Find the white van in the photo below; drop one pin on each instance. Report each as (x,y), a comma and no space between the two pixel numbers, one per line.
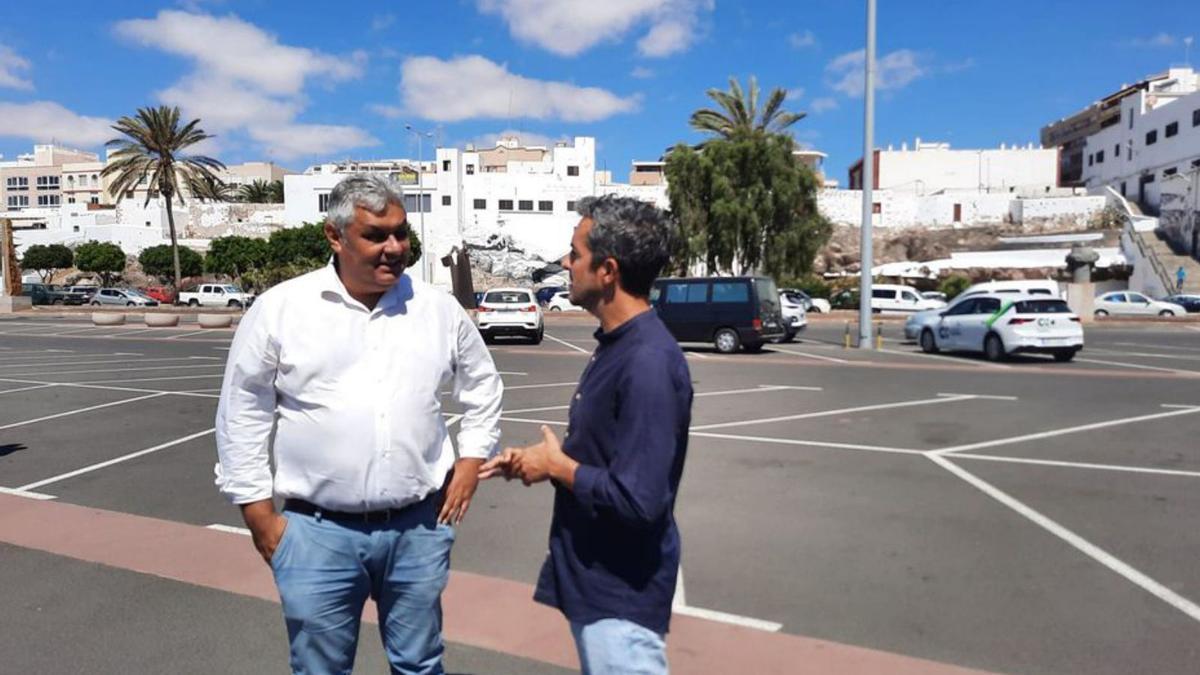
(897,299)
(1026,286)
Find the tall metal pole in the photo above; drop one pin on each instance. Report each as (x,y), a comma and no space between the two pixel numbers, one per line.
(868,177)
(421,207)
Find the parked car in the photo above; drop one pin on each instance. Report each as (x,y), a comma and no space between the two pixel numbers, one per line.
(125,297)
(847,298)
(811,304)
(49,294)
(1130,303)
(794,318)
(546,294)
(163,294)
(1191,303)
(999,325)
(86,291)
(730,312)
(510,311)
(561,302)
(918,321)
(1028,286)
(216,295)
(898,299)
(934,295)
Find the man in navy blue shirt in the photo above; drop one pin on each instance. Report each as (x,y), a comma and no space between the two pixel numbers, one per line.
(614,547)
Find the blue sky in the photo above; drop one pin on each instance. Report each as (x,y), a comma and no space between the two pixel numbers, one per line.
(303,81)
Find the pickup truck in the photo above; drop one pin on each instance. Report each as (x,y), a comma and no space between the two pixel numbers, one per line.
(215,295)
(48,294)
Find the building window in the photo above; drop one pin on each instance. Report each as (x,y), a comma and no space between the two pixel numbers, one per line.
(572,170)
(470,169)
(524,204)
(1196,163)
(70,200)
(323,202)
(95,200)
(410,203)
(958,213)
(17,183)
(48,200)
(571,206)
(1117,150)
(506,205)
(18,201)
(1151,137)
(1131,118)
(445,165)
(876,208)
(545,205)
(1100,157)
(1196,117)
(1090,159)
(1170,172)
(1123,192)
(1172,129)
(48,182)
(480,204)
(445,200)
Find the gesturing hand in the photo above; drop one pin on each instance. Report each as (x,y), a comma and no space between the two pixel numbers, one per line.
(534,463)
(458,493)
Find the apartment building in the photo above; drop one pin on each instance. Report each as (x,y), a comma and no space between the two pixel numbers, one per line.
(36,180)
(930,168)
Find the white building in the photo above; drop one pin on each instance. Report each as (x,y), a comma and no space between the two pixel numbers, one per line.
(931,168)
(1154,136)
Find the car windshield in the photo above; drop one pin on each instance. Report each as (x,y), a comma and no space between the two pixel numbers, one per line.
(232,289)
(506,297)
(1042,307)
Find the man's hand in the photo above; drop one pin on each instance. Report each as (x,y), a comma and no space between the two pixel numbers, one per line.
(457,494)
(501,465)
(266,526)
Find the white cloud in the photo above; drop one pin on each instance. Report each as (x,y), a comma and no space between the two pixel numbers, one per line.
(794,94)
(382,21)
(46,121)
(392,112)
(1155,41)
(11,65)
(641,73)
(470,87)
(570,27)
(823,104)
(248,84)
(895,70)
(802,40)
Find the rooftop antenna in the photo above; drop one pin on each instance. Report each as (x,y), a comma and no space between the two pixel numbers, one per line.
(1187,51)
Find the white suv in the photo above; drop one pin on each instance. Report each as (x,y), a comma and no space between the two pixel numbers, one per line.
(510,311)
(561,302)
(897,299)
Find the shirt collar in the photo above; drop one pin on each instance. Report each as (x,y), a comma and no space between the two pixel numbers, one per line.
(332,284)
(625,328)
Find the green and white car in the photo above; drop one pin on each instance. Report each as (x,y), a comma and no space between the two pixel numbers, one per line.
(999,325)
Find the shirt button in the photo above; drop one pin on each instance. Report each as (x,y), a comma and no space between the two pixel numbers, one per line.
(578,396)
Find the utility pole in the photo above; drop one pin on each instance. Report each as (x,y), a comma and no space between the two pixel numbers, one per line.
(868,176)
(426,268)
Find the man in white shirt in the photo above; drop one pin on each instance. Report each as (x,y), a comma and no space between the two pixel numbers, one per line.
(347,365)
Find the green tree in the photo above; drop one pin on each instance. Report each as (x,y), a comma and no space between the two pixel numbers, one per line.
(739,114)
(302,244)
(152,152)
(103,258)
(954,285)
(235,256)
(745,205)
(159,261)
(261,192)
(45,260)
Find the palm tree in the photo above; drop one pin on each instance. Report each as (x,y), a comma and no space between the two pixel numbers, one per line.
(215,190)
(152,153)
(739,114)
(262,192)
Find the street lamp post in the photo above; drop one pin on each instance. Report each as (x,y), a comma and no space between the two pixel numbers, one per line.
(868,178)
(425,251)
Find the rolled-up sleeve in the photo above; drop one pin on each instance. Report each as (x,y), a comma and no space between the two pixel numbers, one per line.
(246,409)
(479,389)
(636,486)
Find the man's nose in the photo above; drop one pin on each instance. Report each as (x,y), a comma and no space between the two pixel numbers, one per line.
(394,246)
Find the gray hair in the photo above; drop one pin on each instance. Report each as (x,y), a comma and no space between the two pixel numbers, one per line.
(635,234)
(369,191)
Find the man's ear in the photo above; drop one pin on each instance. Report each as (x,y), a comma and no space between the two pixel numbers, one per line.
(611,270)
(332,236)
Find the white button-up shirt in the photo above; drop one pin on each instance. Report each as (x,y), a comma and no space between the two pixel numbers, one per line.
(353,395)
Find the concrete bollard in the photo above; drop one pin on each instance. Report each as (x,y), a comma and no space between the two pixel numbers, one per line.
(107,319)
(161,320)
(215,320)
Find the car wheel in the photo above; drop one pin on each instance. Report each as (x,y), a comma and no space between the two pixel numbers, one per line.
(487,339)
(56,301)
(1064,355)
(537,338)
(95,304)
(928,342)
(193,303)
(1101,312)
(1166,312)
(789,336)
(556,309)
(129,304)
(235,304)
(993,348)
(727,341)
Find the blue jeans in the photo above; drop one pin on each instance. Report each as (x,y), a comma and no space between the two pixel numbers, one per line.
(325,571)
(619,647)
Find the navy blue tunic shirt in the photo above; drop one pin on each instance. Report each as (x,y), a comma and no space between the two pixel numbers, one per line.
(614,547)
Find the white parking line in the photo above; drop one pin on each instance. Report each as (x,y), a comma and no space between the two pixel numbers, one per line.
(36,386)
(1148,355)
(1141,344)
(752,390)
(76,412)
(1086,547)
(946,359)
(1180,405)
(194,332)
(540,386)
(117,460)
(808,444)
(841,411)
(229,528)
(92,385)
(1139,366)
(986,397)
(26,494)
(126,370)
(831,359)
(1079,465)
(565,343)
(110,362)
(156,379)
(1061,432)
(724,617)
(697,355)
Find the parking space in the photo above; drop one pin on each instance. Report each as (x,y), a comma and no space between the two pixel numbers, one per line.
(1029,516)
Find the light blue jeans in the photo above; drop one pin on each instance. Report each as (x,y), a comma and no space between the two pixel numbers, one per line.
(325,571)
(619,647)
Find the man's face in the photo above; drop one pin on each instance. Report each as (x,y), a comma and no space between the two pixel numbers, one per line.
(587,284)
(374,250)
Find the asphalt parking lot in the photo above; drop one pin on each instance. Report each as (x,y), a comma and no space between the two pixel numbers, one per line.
(1025,517)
